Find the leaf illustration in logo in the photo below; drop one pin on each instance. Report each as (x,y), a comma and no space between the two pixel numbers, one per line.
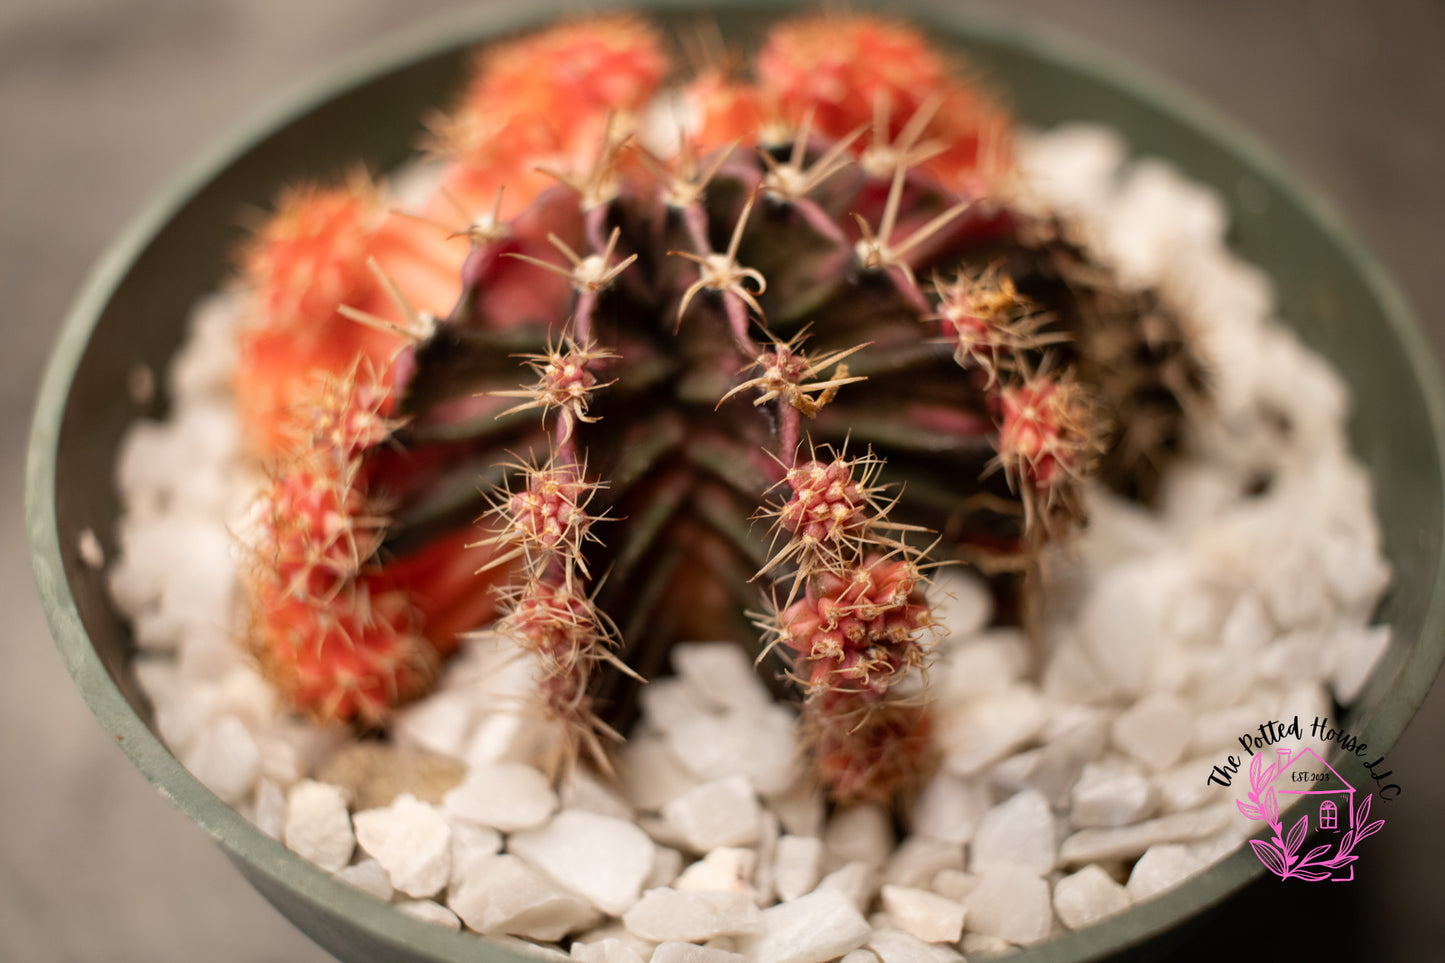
(1250,812)
(1296,836)
(1269,806)
(1268,855)
(1362,811)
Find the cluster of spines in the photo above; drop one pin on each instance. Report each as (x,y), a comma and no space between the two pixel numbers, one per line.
(1050,431)
(541,518)
(855,616)
(855,623)
(335,633)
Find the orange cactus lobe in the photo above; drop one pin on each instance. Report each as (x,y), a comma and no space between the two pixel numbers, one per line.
(546,99)
(352,659)
(852,70)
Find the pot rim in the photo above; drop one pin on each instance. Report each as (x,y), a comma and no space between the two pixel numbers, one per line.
(258,853)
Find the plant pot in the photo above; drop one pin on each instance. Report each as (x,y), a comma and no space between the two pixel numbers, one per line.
(133,312)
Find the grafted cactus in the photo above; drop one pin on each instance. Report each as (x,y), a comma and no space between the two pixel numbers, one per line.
(743,362)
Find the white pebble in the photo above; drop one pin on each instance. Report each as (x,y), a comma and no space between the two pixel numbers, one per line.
(1217,730)
(692,953)
(1357,573)
(983,665)
(1248,627)
(614,932)
(430,911)
(1076,166)
(769,832)
(1160,868)
(950,808)
(954,884)
(723,812)
(245,694)
(1221,679)
(860,955)
(506,796)
(759,743)
(797,865)
(601,858)
(662,832)
(725,868)
(919,859)
(206,656)
(498,737)
(271,809)
(651,774)
(1087,897)
(984,946)
(800,808)
(664,915)
(1181,789)
(1156,730)
(928,916)
(1072,739)
(986,730)
(605,951)
(962,603)
(1098,845)
(292,748)
(1359,651)
(1121,621)
(860,833)
(666,865)
(411,840)
(896,946)
(857,881)
(368,876)
(1293,586)
(438,723)
(721,673)
(1070,675)
(1111,794)
(814,928)
(1012,904)
(1018,833)
(225,759)
(584,790)
(667,703)
(470,842)
(506,896)
(318,826)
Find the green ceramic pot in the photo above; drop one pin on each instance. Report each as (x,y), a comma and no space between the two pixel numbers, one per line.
(134,307)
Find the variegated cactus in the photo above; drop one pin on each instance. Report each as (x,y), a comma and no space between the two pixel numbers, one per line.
(719,356)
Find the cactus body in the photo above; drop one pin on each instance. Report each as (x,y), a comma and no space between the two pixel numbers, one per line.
(770,362)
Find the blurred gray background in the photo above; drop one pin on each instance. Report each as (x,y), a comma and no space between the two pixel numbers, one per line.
(102,101)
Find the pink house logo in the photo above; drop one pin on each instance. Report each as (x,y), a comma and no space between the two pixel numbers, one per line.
(1325,802)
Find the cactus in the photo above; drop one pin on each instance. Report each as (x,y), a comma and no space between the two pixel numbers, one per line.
(748,378)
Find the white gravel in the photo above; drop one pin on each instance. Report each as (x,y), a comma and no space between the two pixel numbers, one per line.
(1071,788)
(412,842)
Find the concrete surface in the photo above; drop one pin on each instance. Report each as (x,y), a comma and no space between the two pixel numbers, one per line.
(101,101)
